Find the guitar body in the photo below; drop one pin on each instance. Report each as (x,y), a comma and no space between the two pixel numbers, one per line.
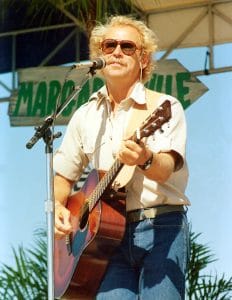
(80,262)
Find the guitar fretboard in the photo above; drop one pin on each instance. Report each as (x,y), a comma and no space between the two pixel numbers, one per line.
(106,180)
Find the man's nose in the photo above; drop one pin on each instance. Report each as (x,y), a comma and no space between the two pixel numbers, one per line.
(118,50)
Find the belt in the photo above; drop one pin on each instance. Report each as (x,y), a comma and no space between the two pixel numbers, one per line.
(151,212)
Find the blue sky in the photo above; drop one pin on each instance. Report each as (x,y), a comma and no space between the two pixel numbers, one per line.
(209,148)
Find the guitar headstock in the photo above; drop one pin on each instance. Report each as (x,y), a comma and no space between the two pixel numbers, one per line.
(155,121)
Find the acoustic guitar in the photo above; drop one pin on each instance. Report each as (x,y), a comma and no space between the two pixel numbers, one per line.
(81,258)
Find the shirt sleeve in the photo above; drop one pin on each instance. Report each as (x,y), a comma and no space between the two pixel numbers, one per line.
(70,160)
(172,137)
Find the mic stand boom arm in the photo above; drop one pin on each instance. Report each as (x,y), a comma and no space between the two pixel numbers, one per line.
(44,131)
(49,121)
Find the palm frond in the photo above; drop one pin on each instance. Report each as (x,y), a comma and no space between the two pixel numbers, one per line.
(84,14)
(200,257)
(200,286)
(213,288)
(27,279)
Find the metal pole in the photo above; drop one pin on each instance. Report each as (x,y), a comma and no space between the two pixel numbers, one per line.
(49,209)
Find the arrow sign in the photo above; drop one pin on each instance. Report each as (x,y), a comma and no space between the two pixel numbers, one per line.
(40,88)
(172,78)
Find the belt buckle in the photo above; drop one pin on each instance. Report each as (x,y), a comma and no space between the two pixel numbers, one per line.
(145,214)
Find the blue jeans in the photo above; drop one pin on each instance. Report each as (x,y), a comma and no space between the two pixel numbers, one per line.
(151,262)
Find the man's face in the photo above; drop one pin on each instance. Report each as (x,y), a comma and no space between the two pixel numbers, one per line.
(121,65)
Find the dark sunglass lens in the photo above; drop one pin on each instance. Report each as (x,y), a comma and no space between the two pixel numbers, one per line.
(109,46)
(128,47)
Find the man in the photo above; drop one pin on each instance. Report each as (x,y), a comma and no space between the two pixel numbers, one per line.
(151,260)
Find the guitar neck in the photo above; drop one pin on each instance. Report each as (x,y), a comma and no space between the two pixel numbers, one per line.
(104,183)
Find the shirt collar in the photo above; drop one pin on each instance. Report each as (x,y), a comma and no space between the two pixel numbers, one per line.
(101,95)
(138,94)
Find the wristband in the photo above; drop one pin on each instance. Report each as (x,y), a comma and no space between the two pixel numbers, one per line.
(147,163)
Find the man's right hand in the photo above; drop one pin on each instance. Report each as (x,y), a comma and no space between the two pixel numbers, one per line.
(63,225)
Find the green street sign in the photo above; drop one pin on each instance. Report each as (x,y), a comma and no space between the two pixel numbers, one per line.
(41,89)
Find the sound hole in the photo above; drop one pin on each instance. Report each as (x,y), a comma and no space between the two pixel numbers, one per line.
(84,217)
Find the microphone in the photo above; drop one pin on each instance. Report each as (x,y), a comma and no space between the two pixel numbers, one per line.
(96,64)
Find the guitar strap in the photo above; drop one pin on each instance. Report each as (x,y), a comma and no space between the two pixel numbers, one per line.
(141,111)
(138,115)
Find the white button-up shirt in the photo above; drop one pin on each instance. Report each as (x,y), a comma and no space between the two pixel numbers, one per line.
(94,134)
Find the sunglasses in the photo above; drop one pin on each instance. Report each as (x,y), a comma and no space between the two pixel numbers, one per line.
(128,47)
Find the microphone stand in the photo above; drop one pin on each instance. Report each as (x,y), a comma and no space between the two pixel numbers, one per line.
(44,131)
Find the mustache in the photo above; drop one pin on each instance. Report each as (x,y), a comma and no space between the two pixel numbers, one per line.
(115,60)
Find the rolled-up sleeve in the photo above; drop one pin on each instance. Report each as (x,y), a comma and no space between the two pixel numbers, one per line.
(172,137)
